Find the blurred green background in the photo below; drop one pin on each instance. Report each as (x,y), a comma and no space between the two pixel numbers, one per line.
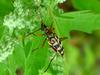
(79,20)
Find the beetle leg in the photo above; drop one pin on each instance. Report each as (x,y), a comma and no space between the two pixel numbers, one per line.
(33,33)
(43,43)
(50,63)
(63,38)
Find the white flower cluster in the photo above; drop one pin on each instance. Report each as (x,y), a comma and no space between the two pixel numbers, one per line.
(59,1)
(37,2)
(5,54)
(6,49)
(58,64)
(18,18)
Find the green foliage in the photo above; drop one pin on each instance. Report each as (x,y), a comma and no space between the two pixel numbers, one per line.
(87,5)
(85,21)
(18,53)
(6,6)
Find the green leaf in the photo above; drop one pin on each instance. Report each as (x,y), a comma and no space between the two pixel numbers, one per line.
(16,60)
(3,69)
(36,60)
(87,4)
(2,28)
(82,20)
(5,7)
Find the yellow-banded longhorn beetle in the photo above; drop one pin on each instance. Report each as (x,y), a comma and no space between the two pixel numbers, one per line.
(53,40)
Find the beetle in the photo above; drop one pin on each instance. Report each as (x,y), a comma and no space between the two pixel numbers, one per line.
(53,40)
